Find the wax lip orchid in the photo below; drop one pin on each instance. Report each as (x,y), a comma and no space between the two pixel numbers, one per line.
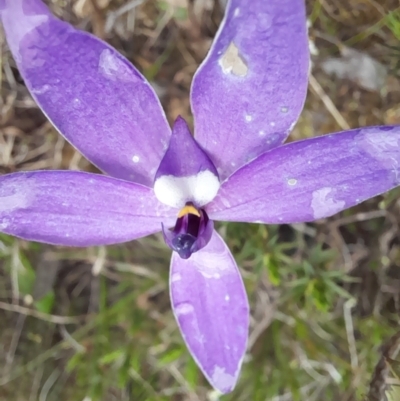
(246,97)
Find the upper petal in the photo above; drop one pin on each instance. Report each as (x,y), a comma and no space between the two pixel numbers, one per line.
(250,90)
(210,305)
(93,95)
(312,179)
(78,209)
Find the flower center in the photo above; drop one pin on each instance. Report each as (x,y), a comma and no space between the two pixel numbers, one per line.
(192,231)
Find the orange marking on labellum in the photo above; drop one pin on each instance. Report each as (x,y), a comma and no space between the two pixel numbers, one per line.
(188,209)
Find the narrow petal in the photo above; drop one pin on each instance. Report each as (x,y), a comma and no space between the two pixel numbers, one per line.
(210,305)
(312,179)
(251,88)
(78,209)
(186,173)
(93,95)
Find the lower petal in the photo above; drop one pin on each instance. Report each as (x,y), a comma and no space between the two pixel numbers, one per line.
(78,209)
(210,305)
(312,179)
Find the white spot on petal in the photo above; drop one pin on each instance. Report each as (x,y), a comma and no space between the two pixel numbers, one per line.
(264,22)
(284,109)
(232,62)
(272,124)
(18,30)
(248,117)
(261,133)
(225,202)
(135,159)
(176,277)
(164,144)
(292,181)
(222,380)
(40,91)
(236,12)
(177,191)
(227,297)
(183,309)
(14,196)
(383,147)
(323,203)
(212,264)
(114,67)
(4,224)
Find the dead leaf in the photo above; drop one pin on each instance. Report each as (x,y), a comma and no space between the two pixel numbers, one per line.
(83,8)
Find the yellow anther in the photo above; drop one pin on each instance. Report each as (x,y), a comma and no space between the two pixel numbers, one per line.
(188,209)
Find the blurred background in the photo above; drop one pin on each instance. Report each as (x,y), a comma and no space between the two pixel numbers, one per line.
(95,324)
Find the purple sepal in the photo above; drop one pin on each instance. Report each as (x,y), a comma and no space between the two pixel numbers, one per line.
(210,304)
(90,92)
(186,173)
(250,90)
(191,233)
(78,209)
(311,179)
(184,157)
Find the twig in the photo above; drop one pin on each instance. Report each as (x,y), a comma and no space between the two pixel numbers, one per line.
(347,307)
(42,316)
(363,216)
(36,383)
(14,344)
(377,387)
(48,385)
(98,22)
(112,16)
(326,100)
(71,340)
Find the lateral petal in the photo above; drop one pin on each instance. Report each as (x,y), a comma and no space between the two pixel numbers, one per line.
(91,93)
(311,179)
(78,209)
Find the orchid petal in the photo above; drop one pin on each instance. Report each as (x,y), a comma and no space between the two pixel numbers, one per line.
(78,209)
(92,95)
(186,174)
(250,90)
(210,305)
(312,179)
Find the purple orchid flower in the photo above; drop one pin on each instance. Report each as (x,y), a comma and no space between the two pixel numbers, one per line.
(246,97)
